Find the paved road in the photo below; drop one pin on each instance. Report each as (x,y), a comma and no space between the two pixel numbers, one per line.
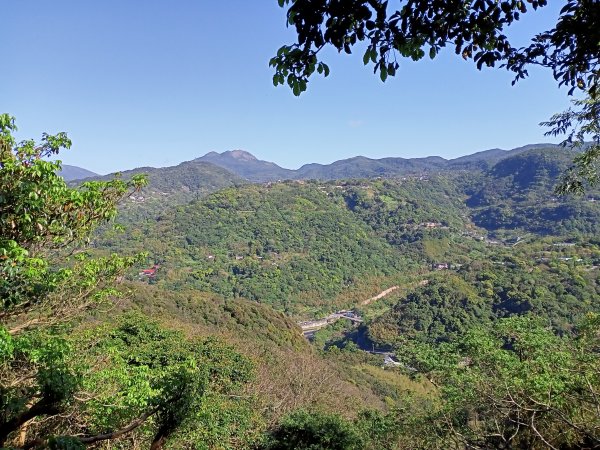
(380,295)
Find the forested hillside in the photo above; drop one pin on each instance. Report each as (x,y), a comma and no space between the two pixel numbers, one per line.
(297,245)
(287,244)
(170,186)
(518,193)
(352,302)
(364,312)
(558,289)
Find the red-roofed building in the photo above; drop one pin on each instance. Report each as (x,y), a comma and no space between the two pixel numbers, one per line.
(150,273)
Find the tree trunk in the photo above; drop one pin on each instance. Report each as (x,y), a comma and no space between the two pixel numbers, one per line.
(158,442)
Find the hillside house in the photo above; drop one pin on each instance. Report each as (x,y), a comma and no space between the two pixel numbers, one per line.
(151,272)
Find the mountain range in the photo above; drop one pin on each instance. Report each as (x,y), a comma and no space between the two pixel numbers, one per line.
(193,180)
(250,168)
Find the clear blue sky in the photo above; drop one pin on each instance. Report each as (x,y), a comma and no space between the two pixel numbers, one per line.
(154,83)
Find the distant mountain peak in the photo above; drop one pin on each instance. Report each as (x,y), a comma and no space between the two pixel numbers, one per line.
(240,155)
(246,165)
(229,155)
(70,173)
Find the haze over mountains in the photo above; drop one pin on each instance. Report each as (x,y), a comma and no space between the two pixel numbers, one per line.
(70,173)
(247,166)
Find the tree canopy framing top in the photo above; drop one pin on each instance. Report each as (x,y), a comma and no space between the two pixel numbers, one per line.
(475,28)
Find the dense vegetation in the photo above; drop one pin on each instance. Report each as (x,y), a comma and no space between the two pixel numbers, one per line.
(488,324)
(277,244)
(170,186)
(517,193)
(66,384)
(298,245)
(481,292)
(474,289)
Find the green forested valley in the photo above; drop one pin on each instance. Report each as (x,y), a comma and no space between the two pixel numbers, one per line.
(166,284)
(441,307)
